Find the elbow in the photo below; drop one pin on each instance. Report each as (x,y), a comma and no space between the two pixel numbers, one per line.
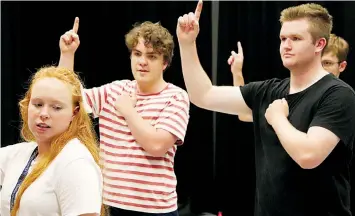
(308,161)
(200,99)
(196,101)
(156,149)
(245,118)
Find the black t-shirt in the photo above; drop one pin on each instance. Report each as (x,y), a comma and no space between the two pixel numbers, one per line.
(283,188)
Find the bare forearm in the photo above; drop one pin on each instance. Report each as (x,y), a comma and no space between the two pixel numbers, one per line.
(66,61)
(144,133)
(238,80)
(295,142)
(196,80)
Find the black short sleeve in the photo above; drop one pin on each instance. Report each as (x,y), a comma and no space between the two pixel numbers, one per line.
(336,112)
(249,92)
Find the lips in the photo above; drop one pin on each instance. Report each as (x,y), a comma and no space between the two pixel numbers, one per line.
(288,55)
(42,125)
(143,71)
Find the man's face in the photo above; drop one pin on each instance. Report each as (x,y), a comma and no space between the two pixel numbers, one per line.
(297,48)
(146,64)
(332,64)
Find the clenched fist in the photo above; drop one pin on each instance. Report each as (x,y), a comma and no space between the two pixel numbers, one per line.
(278,108)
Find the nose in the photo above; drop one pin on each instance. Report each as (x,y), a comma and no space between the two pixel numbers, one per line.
(142,60)
(287,44)
(44,113)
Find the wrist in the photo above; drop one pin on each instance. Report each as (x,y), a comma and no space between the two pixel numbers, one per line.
(187,45)
(126,111)
(238,72)
(278,121)
(67,55)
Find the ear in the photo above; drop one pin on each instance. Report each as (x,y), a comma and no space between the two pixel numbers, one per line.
(342,66)
(320,44)
(165,65)
(76,110)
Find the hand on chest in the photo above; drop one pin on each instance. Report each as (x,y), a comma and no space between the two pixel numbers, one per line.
(147,107)
(296,108)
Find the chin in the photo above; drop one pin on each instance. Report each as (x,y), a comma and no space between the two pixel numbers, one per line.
(288,64)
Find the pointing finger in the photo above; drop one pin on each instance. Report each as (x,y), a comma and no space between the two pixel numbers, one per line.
(198,10)
(240,48)
(76,25)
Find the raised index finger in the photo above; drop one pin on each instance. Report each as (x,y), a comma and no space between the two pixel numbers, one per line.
(76,25)
(240,49)
(198,10)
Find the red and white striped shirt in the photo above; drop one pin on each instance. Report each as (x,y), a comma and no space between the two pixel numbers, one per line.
(134,179)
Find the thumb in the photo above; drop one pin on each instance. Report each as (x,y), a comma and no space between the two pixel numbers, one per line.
(230,60)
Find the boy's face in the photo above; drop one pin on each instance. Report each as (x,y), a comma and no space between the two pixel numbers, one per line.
(332,64)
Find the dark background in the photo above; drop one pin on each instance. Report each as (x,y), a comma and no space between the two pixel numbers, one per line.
(211,177)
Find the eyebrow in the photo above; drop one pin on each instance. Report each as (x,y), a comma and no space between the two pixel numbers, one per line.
(153,52)
(51,100)
(290,35)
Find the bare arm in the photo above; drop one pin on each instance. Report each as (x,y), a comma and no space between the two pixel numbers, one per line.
(66,61)
(170,126)
(68,44)
(155,141)
(309,149)
(236,61)
(224,99)
(334,120)
(238,80)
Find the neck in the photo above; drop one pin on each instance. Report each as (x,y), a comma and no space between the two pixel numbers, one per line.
(302,78)
(43,147)
(151,88)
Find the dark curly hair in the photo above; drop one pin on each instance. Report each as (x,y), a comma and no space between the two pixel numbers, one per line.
(154,34)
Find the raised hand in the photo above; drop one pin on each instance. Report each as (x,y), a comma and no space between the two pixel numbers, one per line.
(187,27)
(69,42)
(236,60)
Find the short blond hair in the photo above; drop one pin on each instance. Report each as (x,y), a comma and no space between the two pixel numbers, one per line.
(153,34)
(321,22)
(337,46)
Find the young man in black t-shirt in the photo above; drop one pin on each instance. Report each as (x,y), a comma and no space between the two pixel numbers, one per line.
(333,60)
(304,125)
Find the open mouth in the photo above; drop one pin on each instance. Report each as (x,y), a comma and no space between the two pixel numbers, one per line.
(42,125)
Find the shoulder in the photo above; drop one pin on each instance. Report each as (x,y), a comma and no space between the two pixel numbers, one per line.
(22,148)
(124,82)
(73,151)
(274,84)
(176,93)
(338,89)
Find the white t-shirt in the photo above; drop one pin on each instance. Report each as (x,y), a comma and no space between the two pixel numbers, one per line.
(70,186)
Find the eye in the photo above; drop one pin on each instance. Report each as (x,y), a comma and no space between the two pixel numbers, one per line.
(37,104)
(152,57)
(57,107)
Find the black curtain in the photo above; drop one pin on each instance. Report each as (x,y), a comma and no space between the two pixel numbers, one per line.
(30,39)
